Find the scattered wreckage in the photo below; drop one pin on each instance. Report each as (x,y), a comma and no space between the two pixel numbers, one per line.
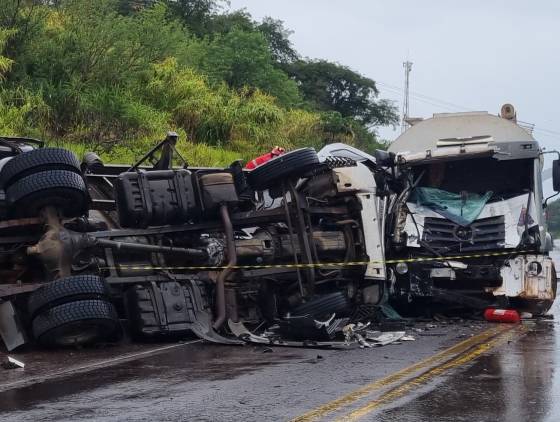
(302,247)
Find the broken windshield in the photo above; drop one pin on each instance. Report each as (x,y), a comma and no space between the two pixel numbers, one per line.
(505,179)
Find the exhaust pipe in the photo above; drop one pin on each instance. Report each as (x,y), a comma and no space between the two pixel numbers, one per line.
(224,274)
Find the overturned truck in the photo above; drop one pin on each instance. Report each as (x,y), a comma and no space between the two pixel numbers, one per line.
(287,253)
(86,246)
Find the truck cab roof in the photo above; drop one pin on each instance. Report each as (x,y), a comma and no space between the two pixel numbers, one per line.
(456,134)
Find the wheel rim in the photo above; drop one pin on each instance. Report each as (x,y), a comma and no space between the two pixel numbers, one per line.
(78,334)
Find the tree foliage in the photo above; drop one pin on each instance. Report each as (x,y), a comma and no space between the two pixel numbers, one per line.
(115,73)
(278,38)
(196,14)
(329,86)
(5,62)
(241,59)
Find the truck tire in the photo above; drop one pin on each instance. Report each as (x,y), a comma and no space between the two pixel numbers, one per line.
(292,164)
(67,289)
(38,160)
(78,323)
(62,189)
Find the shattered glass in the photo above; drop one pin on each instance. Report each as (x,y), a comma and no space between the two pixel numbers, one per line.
(461,208)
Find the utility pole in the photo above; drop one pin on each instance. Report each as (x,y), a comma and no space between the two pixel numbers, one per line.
(407,68)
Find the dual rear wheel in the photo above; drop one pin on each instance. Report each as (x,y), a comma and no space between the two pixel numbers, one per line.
(73,311)
(44,177)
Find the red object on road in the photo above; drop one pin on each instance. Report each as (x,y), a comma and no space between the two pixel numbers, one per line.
(276,151)
(501,315)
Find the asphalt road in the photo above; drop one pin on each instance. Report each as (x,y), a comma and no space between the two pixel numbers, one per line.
(467,371)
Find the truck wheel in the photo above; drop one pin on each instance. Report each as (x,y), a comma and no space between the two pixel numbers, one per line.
(292,164)
(38,160)
(77,323)
(67,289)
(62,189)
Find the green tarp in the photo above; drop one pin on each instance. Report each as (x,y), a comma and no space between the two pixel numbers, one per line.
(462,209)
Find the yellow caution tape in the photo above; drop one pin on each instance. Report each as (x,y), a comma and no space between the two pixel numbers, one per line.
(312,265)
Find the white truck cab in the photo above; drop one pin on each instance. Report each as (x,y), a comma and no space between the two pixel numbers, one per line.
(471,190)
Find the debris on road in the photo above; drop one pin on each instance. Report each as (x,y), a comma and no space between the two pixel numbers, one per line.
(12,363)
(502,315)
(355,333)
(383,339)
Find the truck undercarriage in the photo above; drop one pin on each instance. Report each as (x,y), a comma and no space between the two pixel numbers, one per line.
(172,251)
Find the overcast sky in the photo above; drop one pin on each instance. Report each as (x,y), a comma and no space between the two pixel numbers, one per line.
(474,55)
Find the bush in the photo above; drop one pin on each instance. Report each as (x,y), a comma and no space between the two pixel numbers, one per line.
(114,76)
(21,112)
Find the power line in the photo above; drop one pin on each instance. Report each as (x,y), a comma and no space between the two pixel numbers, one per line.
(419,95)
(448,106)
(420,99)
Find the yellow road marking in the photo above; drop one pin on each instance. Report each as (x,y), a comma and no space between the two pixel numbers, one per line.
(424,378)
(364,391)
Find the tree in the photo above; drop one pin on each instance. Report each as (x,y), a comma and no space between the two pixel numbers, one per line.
(220,24)
(195,14)
(22,19)
(243,59)
(329,86)
(278,38)
(128,7)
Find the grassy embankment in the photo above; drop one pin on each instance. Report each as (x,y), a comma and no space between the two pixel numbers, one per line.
(114,76)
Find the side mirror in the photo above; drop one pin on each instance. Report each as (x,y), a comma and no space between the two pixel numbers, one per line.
(556,175)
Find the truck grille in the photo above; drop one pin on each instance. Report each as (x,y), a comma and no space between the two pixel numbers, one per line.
(447,236)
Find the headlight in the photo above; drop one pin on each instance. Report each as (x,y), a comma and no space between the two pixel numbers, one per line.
(401,268)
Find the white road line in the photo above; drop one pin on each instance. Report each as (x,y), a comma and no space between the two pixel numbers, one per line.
(89,367)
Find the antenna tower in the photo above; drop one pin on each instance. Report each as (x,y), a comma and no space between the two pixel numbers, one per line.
(407,68)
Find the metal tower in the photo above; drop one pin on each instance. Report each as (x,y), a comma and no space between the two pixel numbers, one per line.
(407,68)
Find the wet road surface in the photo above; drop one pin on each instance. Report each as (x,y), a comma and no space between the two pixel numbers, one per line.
(515,383)
(206,382)
(470,371)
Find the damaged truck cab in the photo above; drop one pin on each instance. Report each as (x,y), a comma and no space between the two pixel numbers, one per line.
(468,192)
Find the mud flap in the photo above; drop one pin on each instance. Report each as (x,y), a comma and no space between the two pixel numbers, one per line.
(202,327)
(11,329)
(201,324)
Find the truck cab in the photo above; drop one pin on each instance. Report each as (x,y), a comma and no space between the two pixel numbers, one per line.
(469,194)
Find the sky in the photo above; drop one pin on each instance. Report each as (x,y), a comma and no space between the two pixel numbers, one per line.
(467,55)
